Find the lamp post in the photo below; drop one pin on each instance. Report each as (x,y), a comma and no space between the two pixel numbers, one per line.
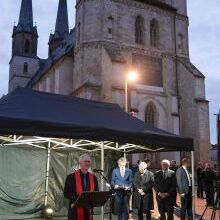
(130,77)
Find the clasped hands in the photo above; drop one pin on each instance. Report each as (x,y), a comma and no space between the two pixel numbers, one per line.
(124,187)
(141,192)
(163,195)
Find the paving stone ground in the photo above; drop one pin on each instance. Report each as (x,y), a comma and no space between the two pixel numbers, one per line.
(200,205)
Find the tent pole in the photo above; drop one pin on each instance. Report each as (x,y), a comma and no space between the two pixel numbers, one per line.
(102,180)
(193,183)
(47,174)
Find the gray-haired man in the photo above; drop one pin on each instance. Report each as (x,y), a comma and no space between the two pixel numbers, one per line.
(165,186)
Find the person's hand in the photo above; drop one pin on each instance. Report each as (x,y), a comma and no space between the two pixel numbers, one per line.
(143,193)
(140,190)
(116,186)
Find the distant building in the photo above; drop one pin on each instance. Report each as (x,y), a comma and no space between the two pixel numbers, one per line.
(109,38)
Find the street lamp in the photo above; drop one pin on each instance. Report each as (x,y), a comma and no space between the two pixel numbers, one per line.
(131,76)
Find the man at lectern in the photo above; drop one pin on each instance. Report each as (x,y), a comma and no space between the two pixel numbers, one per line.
(77,182)
(122,183)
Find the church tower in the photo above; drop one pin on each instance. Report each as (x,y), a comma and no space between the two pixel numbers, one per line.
(62,27)
(24,61)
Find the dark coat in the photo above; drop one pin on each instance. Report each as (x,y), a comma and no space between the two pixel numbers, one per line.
(165,185)
(146,183)
(70,193)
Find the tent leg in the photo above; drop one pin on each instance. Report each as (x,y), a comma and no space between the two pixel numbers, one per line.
(193,183)
(47,175)
(102,180)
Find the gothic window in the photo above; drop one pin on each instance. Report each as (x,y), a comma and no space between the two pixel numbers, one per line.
(79,32)
(27,47)
(25,70)
(150,114)
(154,33)
(110,26)
(180,43)
(139,30)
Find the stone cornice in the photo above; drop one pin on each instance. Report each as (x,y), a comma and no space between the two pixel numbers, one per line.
(133,49)
(200,100)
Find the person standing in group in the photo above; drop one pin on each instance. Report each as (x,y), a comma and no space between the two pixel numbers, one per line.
(165,186)
(122,183)
(143,191)
(184,188)
(209,177)
(80,181)
(199,172)
(174,167)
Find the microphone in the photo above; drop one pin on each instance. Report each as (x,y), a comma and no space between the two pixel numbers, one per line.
(97,171)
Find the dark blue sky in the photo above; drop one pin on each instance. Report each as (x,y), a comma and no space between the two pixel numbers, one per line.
(204,35)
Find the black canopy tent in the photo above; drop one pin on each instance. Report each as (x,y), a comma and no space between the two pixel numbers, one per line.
(32,113)
(46,117)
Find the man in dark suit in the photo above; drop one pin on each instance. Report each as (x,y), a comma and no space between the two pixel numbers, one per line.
(184,188)
(165,186)
(122,183)
(143,191)
(80,181)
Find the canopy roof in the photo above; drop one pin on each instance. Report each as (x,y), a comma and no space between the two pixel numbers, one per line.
(33,113)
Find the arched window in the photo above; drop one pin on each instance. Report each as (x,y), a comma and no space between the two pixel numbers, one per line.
(154,33)
(151,114)
(25,69)
(139,30)
(180,43)
(27,47)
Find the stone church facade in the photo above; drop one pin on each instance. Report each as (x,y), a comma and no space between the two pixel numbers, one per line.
(110,38)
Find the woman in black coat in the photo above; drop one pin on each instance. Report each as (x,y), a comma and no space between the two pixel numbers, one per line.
(143,191)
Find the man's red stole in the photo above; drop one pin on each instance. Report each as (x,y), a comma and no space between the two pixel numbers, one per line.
(79,190)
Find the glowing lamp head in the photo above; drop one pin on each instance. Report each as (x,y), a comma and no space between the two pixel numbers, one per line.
(49,211)
(132,76)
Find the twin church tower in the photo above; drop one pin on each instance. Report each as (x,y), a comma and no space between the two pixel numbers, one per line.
(24,62)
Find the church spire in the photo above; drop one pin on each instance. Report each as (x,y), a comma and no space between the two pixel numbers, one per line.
(62,24)
(25,22)
(61,28)
(26,14)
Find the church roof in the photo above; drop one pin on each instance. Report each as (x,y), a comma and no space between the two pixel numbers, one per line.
(25,22)
(62,23)
(45,64)
(186,62)
(159,4)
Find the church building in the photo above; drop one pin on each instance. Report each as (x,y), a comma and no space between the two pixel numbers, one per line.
(110,38)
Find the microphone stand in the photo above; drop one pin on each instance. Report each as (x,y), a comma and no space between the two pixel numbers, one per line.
(111,192)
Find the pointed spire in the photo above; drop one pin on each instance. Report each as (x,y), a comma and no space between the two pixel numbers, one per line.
(62,27)
(26,14)
(62,24)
